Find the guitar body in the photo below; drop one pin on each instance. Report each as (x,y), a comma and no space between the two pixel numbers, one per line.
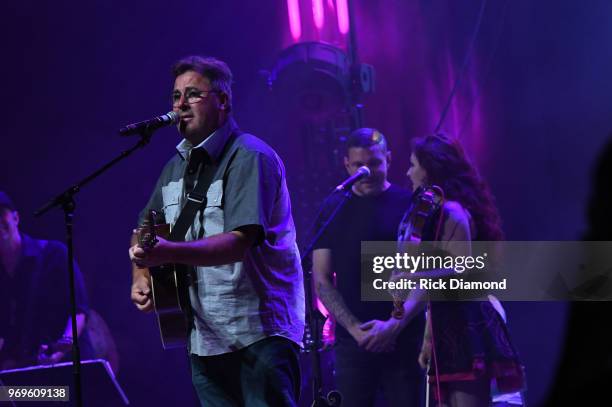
(171,299)
(170,290)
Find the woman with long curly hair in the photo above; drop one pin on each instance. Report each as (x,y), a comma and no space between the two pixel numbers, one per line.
(466,343)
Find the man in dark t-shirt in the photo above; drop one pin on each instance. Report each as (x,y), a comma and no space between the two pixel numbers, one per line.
(373,351)
(34,300)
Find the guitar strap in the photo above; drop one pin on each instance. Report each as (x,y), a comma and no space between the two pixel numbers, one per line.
(196,199)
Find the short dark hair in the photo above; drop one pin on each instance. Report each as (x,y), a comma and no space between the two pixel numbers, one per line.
(217,72)
(366,137)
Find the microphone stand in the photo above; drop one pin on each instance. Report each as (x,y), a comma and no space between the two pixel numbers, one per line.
(66,200)
(314,318)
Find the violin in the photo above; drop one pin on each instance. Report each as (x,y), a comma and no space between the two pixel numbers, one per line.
(426,201)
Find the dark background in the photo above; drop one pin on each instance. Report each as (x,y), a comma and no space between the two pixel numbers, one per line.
(532,108)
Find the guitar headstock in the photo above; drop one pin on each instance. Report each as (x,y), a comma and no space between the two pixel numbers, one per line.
(146,233)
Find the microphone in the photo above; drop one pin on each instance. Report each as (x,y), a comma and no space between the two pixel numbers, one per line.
(150,125)
(361,172)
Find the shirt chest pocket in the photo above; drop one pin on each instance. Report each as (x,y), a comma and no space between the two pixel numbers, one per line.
(213,212)
(170,197)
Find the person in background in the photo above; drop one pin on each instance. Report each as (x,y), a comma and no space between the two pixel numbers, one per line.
(374,352)
(473,350)
(35,325)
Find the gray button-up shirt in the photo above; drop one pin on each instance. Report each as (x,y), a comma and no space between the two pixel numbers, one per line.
(235,305)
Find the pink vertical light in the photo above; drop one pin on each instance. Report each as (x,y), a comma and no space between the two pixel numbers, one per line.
(295,25)
(343,19)
(317,14)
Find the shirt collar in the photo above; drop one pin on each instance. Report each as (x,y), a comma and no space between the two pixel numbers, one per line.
(213,144)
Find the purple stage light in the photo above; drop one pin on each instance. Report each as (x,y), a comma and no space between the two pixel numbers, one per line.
(343,18)
(318,14)
(295,24)
(317,21)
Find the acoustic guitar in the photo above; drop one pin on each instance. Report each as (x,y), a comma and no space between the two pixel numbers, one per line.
(169,288)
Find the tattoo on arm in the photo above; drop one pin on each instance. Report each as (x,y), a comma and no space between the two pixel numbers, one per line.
(334,302)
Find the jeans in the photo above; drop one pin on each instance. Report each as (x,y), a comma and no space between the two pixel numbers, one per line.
(264,374)
(360,375)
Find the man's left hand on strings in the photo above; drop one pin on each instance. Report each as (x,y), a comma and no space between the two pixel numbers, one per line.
(152,256)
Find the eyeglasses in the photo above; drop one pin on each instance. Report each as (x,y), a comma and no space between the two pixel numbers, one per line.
(192,96)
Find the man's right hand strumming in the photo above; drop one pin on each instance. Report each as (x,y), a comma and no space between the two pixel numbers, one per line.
(141,282)
(141,293)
